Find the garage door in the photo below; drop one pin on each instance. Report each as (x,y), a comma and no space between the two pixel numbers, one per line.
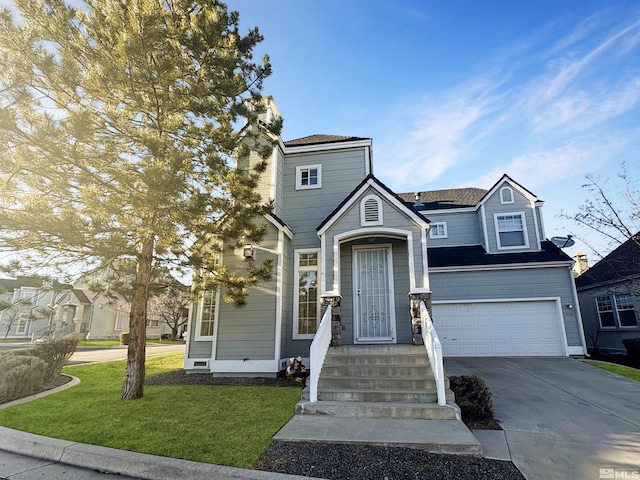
(487,329)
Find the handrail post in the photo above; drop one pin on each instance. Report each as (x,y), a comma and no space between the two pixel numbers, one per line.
(434,350)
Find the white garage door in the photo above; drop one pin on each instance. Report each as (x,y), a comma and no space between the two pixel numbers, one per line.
(486,329)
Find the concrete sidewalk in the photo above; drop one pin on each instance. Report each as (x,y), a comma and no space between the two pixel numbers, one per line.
(561,417)
(25,456)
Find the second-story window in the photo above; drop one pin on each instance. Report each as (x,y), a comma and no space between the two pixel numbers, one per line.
(438,230)
(511,230)
(308,176)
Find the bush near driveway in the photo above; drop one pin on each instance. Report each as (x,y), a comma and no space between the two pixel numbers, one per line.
(474,399)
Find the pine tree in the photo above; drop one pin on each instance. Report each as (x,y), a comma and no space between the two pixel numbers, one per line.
(118,124)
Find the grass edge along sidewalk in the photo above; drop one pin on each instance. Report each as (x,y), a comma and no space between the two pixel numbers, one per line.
(220,424)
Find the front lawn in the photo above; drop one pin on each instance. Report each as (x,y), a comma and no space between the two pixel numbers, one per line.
(114,342)
(632,373)
(225,425)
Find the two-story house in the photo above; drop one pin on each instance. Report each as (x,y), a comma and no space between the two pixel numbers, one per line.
(338,235)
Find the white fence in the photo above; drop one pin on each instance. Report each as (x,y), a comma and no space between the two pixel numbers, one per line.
(434,350)
(318,351)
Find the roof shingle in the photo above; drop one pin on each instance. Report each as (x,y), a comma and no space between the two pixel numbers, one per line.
(319,139)
(446,199)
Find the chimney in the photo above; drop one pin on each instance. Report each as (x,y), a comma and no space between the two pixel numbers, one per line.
(581,264)
(417,203)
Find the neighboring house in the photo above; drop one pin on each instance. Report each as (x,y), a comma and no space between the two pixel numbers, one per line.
(609,294)
(339,236)
(30,306)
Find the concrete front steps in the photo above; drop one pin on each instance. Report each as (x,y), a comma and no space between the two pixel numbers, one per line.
(380,395)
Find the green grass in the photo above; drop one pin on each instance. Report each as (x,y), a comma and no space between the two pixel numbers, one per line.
(225,425)
(632,373)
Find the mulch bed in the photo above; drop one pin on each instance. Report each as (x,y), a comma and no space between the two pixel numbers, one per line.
(365,462)
(354,462)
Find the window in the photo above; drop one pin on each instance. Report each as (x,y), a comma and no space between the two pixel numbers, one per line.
(308,176)
(616,311)
(370,211)
(21,324)
(506,195)
(208,311)
(118,325)
(306,316)
(438,230)
(28,293)
(511,230)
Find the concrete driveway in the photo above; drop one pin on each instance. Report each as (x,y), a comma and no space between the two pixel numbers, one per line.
(562,418)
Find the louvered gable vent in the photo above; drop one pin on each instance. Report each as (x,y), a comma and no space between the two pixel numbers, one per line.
(370,211)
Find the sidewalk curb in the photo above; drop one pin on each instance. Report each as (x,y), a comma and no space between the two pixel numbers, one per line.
(122,462)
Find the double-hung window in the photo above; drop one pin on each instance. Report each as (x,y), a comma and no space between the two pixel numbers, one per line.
(511,230)
(616,311)
(306,295)
(308,177)
(438,230)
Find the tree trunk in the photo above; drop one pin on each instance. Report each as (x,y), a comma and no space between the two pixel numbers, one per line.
(134,377)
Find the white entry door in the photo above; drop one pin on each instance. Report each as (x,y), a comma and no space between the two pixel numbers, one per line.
(373,304)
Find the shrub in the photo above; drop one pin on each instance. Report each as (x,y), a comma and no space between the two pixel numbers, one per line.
(55,353)
(473,397)
(124,338)
(633,347)
(20,375)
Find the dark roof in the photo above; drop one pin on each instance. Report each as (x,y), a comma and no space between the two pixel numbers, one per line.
(444,199)
(319,139)
(353,192)
(81,296)
(475,255)
(622,263)
(10,284)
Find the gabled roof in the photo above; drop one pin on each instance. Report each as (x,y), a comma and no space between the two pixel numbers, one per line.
(319,139)
(621,264)
(475,255)
(371,180)
(445,199)
(460,197)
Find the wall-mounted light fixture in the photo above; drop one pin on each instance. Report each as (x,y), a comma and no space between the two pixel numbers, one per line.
(248,251)
(569,306)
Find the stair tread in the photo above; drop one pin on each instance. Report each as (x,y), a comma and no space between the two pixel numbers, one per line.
(381,404)
(373,389)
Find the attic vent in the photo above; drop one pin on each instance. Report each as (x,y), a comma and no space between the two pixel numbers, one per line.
(370,211)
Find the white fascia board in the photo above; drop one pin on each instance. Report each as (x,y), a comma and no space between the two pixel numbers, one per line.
(504,266)
(326,146)
(498,300)
(513,184)
(245,366)
(416,218)
(285,229)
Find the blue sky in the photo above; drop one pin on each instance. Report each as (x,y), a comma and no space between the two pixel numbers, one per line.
(457,93)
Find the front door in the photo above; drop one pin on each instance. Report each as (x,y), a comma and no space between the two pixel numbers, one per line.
(374,311)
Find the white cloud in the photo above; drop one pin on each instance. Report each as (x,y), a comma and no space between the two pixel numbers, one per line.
(574,158)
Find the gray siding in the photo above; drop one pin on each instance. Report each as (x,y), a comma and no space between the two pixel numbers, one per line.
(304,210)
(521,204)
(609,338)
(509,284)
(249,332)
(462,229)
(278,159)
(197,349)
(392,218)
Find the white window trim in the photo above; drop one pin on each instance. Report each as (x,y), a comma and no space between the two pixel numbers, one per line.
(525,231)
(433,232)
(215,317)
(296,297)
(510,190)
(363,221)
(616,316)
(299,170)
(25,329)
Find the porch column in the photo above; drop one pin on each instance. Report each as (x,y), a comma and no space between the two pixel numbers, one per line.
(336,317)
(414,307)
